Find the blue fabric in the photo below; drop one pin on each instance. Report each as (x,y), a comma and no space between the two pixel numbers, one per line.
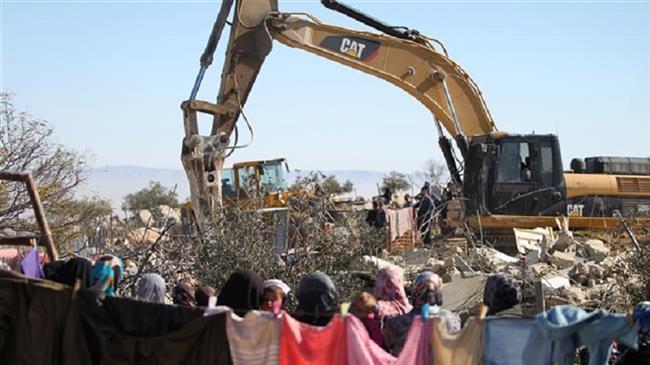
(642,314)
(517,341)
(572,327)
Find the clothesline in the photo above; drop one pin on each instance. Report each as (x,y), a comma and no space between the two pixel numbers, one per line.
(44,323)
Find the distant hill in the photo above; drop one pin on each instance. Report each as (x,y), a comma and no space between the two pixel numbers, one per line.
(114,182)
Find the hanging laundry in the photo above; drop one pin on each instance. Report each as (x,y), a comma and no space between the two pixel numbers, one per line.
(416,350)
(301,343)
(595,330)
(67,272)
(254,339)
(517,341)
(31,265)
(362,349)
(128,331)
(461,348)
(32,321)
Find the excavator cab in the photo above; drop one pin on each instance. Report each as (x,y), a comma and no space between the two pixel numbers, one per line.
(263,178)
(514,175)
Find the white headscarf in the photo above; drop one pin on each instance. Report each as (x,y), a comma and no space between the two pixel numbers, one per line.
(151,288)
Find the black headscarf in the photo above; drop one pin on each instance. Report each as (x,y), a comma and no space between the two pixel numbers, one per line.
(501,293)
(318,299)
(242,292)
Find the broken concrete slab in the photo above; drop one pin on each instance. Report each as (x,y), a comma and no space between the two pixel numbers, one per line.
(596,250)
(528,239)
(562,260)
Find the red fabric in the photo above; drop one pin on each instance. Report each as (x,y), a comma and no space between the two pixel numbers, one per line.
(301,343)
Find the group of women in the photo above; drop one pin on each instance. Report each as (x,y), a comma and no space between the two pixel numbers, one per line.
(387,313)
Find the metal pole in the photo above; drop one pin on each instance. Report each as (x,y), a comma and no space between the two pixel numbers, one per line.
(451,107)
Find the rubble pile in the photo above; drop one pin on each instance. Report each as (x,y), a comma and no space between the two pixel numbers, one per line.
(581,271)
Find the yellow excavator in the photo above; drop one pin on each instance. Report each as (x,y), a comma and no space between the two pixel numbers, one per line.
(501,180)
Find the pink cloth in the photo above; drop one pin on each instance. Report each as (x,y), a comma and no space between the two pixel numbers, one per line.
(401,221)
(301,343)
(416,350)
(361,348)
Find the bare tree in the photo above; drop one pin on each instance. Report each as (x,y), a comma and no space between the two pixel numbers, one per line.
(27,144)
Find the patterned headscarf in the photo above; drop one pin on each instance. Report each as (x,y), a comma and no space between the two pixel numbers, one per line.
(501,292)
(427,288)
(106,274)
(389,291)
(151,288)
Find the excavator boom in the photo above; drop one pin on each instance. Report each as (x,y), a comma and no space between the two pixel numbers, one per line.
(406,59)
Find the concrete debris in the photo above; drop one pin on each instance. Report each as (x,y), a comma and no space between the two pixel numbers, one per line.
(146,218)
(596,250)
(164,212)
(562,260)
(141,235)
(530,239)
(374,261)
(539,270)
(556,282)
(565,236)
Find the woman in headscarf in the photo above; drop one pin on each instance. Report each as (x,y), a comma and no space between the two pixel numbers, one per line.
(426,289)
(184,294)
(274,291)
(151,288)
(318,299)
(242,292)
(502,295)
(106,274)
(389,292)
(390,299)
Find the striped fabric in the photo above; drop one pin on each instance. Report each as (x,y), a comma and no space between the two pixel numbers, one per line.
(253,339)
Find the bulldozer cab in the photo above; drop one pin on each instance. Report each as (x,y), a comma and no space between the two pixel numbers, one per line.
(514,174)
(263,178)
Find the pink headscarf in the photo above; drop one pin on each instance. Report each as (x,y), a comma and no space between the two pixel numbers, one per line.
(389,291)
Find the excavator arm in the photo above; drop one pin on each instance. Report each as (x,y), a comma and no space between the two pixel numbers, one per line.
(409,62)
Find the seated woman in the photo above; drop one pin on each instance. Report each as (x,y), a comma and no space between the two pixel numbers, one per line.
(318,299)
(426,288)
(390,301)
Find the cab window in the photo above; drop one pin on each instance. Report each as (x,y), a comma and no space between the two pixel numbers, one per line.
(272,178)
(227,184)
(514,163)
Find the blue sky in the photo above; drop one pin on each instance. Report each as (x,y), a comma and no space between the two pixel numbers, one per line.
(110,77)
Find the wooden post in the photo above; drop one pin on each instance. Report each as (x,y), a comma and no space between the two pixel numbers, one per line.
(39,214)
